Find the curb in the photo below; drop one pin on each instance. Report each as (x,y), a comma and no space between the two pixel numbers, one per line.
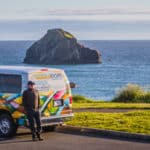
(106,133)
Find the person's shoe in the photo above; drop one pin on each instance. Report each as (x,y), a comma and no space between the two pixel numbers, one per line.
(39,136)
(34,136)
(40,139)
(34,139)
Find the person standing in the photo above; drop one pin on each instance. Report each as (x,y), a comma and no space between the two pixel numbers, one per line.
(31,103)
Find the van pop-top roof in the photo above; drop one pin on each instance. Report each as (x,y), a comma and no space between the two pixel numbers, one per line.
(24,69)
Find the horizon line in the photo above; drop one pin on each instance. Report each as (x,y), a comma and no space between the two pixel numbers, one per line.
(11,40)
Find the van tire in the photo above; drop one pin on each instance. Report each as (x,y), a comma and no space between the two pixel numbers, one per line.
(49,128)
(7,126)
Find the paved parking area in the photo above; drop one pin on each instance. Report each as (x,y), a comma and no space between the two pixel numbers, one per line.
(70,141)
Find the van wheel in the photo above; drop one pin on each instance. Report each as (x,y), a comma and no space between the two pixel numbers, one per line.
(7,126)
(49,128)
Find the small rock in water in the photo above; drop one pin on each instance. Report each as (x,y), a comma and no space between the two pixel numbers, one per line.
(73,85)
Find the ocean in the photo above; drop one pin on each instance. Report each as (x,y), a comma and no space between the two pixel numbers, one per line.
(123,62)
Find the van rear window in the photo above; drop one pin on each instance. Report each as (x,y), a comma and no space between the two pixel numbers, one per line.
(10,83)
(46,81)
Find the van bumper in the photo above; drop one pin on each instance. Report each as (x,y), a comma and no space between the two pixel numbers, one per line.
(55,120)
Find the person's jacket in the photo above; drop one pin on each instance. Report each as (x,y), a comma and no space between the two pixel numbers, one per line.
(31,99)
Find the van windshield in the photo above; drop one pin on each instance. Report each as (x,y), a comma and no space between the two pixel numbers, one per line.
(46,81)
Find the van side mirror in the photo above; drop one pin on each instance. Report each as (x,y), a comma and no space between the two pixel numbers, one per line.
(72,85)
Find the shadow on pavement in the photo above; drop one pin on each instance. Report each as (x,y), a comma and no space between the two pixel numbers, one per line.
(80,133)
(18,135)
(14,141)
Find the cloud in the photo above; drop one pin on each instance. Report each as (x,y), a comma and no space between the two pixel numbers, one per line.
(112,23)
(105,14)
(107,11)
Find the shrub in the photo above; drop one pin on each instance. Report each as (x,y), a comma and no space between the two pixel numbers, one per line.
(143,97)
(132,93)
(82,99)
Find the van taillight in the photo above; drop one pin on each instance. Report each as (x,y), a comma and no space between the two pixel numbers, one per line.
(71,100)
(45,69)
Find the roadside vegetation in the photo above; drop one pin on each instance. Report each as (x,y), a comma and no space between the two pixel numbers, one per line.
(83,99)
(132,122)
(132,93)
(131,96)
(81,102)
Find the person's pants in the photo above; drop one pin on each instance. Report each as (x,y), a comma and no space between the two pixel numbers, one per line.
(34,117)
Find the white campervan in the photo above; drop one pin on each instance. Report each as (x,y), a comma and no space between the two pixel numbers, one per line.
(55,96)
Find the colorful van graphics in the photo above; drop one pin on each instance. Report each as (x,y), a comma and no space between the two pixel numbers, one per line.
(55,96)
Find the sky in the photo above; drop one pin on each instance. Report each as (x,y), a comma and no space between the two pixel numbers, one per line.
(86,19)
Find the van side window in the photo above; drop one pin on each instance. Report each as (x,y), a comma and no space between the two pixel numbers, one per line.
(10,83)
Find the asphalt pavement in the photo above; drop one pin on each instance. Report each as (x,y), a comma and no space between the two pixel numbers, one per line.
(70,141)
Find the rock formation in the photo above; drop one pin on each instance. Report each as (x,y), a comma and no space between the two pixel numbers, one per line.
(60,47)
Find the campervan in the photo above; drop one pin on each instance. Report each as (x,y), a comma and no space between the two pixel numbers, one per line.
(55,97)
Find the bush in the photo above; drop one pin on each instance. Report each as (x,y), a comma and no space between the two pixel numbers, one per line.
(132,93)
(143,97)
(82,99)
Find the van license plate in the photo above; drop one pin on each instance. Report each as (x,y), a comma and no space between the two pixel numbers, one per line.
(58,103)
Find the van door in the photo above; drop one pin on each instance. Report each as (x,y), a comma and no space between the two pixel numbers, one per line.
(55,93)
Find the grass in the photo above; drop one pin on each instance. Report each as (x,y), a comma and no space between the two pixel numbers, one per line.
(129,97)
(82,99)
(110,105)
(132,122)
(80,102)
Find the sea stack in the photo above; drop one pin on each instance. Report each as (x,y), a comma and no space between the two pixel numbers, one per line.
(60,47)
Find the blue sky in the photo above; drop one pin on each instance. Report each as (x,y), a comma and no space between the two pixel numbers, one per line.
(86,19)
